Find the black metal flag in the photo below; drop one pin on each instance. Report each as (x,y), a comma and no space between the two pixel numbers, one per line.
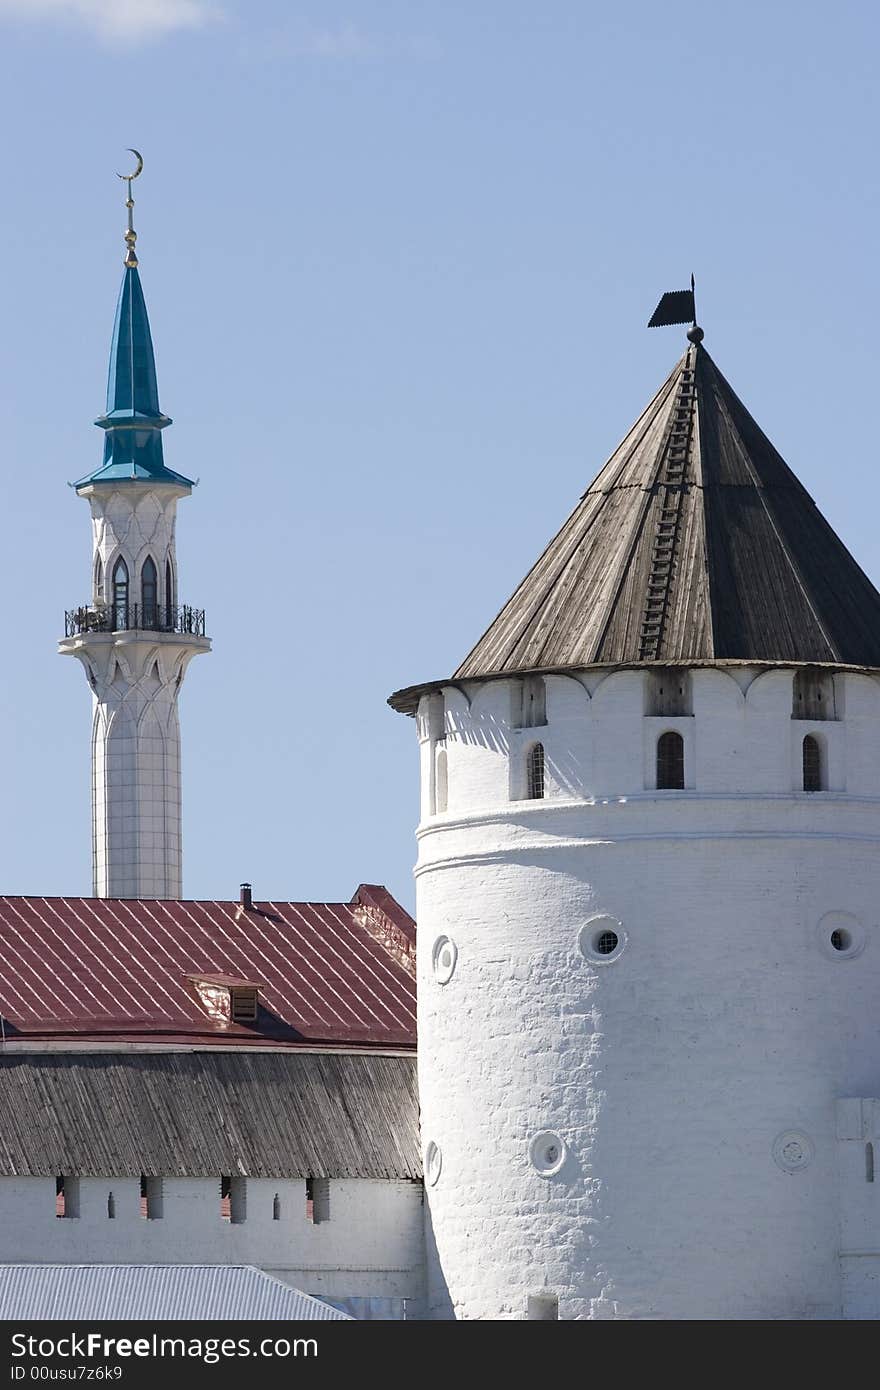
(677,306)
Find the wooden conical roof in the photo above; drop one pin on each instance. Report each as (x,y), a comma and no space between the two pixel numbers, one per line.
(696,543)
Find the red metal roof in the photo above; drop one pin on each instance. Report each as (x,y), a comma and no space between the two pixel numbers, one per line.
(116,968)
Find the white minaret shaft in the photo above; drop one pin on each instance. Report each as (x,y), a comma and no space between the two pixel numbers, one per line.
(133,637)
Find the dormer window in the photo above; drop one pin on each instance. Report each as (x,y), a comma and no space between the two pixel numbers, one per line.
(244,1004)
(227,999)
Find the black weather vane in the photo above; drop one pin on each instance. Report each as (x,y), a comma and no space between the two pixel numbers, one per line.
(678,306)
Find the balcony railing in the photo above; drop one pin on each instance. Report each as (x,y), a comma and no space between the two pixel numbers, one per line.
(151,617)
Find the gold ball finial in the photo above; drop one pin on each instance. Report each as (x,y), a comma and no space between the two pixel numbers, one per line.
(130,239)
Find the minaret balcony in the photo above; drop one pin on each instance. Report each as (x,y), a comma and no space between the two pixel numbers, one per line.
(150,617)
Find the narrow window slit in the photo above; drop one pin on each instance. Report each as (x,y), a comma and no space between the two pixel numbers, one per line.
(233,1199)
(317,1200)
(151,1198)
(66,1196)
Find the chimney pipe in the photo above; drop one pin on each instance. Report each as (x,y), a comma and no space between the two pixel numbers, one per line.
(246,898)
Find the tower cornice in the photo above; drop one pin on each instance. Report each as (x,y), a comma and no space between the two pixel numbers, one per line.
(173,485)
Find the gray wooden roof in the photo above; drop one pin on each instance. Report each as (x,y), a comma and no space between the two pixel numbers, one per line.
(204,1114)
(695,543)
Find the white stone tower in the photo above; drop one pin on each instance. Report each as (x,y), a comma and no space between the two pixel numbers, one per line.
(134,637)
(648,951)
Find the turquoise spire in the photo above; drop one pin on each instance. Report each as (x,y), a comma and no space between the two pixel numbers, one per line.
(133,421)
(132,389)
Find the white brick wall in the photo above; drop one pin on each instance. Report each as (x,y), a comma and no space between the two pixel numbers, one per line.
(372,1246)
(858,1153)
(672,1073)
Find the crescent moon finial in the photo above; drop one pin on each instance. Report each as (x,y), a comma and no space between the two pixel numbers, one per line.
(131,259)
(140,164)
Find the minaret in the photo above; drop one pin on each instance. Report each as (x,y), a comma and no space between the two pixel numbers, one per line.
(134,637)
(648,953)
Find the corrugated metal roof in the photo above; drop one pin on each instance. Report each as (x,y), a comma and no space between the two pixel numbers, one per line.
(201,1114)
(696,542)
(161,1293)
(119,967)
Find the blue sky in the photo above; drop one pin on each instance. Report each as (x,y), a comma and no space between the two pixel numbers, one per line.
(398,259)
